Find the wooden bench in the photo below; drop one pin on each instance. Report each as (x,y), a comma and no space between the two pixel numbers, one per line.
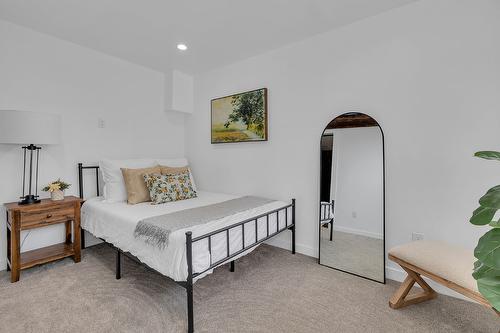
(446,264)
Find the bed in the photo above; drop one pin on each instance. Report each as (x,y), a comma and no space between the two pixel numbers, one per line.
(192,252)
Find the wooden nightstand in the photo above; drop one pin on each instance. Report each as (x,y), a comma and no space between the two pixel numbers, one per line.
(47,212)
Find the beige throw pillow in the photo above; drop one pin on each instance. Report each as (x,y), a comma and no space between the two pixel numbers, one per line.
(137,190)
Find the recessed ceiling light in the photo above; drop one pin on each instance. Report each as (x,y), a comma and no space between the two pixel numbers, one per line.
(182,47)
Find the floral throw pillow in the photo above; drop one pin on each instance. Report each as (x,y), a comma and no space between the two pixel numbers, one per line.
(167,188)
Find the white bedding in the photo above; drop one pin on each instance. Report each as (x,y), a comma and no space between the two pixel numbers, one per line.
(115,223)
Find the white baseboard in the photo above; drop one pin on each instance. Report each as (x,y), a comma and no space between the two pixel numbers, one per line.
(300,248)
(356,231)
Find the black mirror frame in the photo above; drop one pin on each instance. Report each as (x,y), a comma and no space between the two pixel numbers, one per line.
(383,202)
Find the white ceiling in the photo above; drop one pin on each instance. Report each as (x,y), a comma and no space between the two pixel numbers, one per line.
(217,32)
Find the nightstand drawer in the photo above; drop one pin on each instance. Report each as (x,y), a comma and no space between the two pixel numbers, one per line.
(43,217)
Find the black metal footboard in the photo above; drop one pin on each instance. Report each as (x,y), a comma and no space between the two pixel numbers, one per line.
(226,230)
(252,222)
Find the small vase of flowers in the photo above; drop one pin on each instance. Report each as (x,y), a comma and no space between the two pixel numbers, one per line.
(56,189)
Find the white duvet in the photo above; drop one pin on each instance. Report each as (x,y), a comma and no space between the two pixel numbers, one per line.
(115,223)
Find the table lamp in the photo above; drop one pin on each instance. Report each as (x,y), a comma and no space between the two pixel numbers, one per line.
(29,129)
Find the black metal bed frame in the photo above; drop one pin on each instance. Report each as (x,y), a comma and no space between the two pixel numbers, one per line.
(188,284)
(324,215)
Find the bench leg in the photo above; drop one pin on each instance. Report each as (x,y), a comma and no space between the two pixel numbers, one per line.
(401,299)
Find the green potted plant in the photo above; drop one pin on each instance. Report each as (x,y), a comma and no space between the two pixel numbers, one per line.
(487,252)
(56,189)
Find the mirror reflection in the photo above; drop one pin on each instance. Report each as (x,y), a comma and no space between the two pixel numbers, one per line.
(352,196)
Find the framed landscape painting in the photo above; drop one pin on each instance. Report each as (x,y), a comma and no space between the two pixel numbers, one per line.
(240,117)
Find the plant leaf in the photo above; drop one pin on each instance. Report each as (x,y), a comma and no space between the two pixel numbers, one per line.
(491,199)
(495,224)
(481,270)
(488,248)
(488,155)
(489,287)
(482,215)
(494,188)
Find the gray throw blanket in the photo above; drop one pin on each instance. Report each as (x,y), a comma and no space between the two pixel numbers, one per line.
(156,230)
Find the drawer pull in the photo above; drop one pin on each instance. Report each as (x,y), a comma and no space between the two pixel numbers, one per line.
(49,216)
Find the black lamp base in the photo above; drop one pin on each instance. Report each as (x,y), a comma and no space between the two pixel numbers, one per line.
(29,199)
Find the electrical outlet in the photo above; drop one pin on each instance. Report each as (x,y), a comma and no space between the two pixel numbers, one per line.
(415,236)
(100,123)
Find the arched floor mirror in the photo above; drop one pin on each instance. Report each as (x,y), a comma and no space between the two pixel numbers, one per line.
(352,197)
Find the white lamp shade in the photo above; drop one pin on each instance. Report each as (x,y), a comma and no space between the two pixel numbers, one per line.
(27,127)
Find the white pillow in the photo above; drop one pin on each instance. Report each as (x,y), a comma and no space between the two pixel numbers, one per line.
(173,162)
(114,185)
(177,162)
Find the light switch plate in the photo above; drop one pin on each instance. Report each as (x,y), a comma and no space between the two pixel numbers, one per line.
(415,236)
(100,123)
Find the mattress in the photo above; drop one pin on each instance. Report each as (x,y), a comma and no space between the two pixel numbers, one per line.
(116,222)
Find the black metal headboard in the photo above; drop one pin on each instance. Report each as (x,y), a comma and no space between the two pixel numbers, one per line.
(80,177)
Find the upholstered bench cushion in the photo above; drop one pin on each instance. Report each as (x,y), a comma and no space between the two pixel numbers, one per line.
(447,261)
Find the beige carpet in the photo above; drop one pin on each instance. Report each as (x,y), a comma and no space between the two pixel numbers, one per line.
(271,291)
(353,253)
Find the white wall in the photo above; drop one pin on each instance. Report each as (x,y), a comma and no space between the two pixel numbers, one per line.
(357,181)
(42,73)
(182,92)
(427,72)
